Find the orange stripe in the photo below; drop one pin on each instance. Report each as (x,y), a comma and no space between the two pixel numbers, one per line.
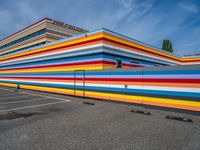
(172,106)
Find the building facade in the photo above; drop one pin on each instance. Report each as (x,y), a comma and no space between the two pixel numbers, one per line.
(106,65)
(40,33)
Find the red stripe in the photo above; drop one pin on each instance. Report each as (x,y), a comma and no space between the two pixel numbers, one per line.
(113,79)
(147,80)
(63,65)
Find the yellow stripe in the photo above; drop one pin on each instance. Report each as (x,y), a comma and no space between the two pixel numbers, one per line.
(145,98)
(171,101)
(8,84)
(49,89)
(84,67)
(196,58)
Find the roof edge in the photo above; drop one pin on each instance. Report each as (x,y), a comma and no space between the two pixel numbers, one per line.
(26,28)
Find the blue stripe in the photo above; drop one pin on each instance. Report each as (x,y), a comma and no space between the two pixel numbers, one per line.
(113,73)
(120,90)
(56,61)
(55,57)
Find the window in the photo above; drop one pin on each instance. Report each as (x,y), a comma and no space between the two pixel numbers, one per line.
(22,49)
(24,38)
(118,63)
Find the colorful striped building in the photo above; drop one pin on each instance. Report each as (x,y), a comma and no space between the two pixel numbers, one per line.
(106,65)
(42,32)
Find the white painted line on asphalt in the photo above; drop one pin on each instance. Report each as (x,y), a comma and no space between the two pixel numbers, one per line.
(19,96)
(36,94)
(53,103)
(45,96)
(35,99)
(7,89)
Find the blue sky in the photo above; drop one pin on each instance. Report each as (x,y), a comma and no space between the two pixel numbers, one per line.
(149,21)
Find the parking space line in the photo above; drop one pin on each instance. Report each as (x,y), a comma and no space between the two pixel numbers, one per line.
(35,99)
(7,89)
(45,96)
(18,108)
(36,94)
(19,96)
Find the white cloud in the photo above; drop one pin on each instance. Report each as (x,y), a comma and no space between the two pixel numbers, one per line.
(188,6)
(126,3)
(107,17)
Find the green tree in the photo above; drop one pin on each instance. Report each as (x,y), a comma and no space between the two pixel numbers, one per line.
(167,46)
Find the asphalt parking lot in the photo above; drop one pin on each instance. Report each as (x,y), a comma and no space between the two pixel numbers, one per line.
(38,121)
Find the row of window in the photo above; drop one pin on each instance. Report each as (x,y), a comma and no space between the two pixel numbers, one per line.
(22,49)
(24,38)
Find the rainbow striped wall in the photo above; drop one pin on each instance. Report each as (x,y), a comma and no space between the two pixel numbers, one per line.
(99,41)
(169,86)
(54,68)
